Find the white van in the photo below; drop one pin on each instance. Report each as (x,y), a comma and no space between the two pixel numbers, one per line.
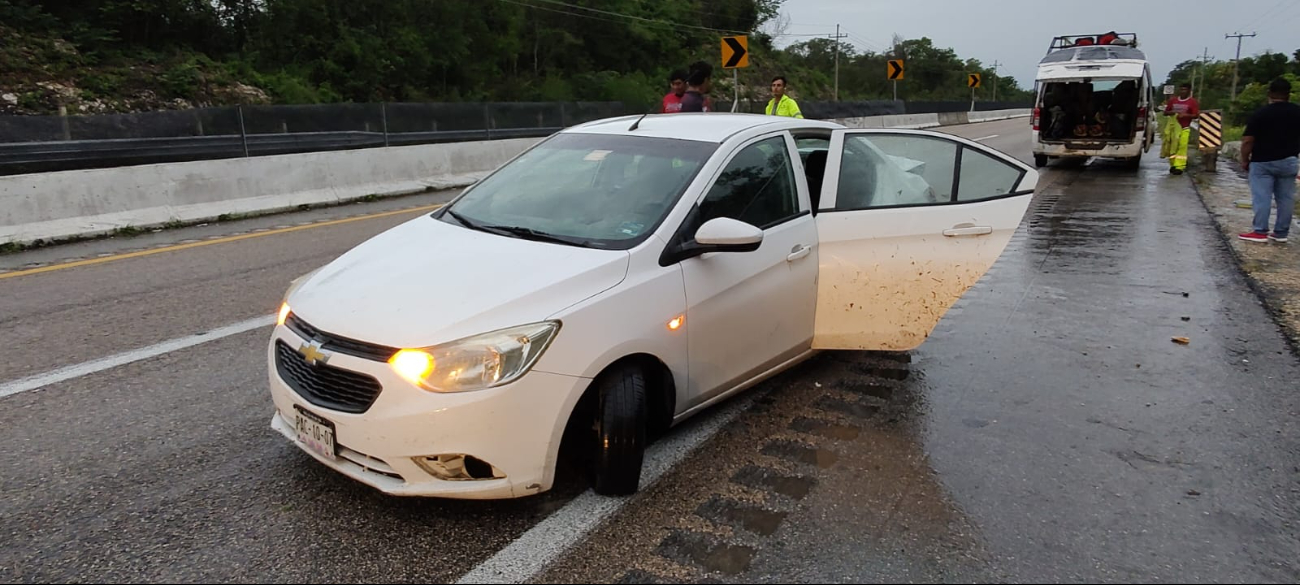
(1095,99)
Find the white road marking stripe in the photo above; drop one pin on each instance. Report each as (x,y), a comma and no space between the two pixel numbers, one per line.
(986,138)
(542,544)
(39,381)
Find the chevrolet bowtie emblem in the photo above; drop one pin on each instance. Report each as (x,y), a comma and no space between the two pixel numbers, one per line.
(311,351)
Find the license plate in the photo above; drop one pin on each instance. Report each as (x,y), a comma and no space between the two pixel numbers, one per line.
(314,432)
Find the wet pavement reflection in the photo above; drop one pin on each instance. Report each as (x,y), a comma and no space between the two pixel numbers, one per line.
(1050,430)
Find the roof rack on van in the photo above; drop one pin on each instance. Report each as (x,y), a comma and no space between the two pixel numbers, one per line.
(1110,38)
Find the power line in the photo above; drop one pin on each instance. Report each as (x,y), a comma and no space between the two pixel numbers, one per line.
(1279,20)
(866,43)
(1263,16)
(645,3)
(629,17)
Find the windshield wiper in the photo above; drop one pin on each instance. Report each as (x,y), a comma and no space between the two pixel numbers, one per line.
(519,232)
(535,235)
(466,222)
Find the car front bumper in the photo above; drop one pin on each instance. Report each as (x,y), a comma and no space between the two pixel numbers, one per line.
(516,429)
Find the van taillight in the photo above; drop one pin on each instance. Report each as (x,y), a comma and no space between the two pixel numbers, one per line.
(1037,112)
(1142,118)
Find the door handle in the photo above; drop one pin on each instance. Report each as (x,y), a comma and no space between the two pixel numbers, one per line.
(798,252)
(968,230)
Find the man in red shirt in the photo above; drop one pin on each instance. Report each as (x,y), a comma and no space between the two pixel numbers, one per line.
(1186,108)
(673,101)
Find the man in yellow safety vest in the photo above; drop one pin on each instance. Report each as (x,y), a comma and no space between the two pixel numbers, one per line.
(781,104)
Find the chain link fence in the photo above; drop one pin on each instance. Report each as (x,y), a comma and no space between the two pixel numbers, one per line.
(48,143)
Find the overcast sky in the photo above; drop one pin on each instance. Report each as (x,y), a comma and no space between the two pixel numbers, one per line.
(1016,34)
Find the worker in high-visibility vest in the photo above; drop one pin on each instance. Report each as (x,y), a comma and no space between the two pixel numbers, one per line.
(781,104)
(1183,108)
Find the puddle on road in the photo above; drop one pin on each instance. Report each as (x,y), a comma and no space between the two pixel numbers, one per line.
(813,426)
(760,521)
(764,479)
(800,453)
(710,555)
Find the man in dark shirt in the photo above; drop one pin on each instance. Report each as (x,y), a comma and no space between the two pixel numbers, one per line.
(1270,150)
(698,83)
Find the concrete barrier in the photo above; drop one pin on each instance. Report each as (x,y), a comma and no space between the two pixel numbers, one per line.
(910,121)
(920,121)
(954,118)
(995,115)
(85,203)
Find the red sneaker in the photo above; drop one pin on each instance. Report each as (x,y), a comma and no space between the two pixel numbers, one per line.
(1254,237)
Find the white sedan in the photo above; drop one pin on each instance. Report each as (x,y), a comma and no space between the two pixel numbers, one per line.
(619,277)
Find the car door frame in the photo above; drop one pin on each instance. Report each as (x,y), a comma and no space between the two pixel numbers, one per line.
(672,253)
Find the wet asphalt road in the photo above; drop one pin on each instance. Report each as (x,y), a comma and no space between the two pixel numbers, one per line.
(1049,430)
(1022,442)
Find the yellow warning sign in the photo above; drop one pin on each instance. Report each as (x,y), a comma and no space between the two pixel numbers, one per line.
(735,52)
(1211,130)
(895,69)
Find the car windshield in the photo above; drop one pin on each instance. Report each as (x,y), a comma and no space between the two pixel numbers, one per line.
(595,190)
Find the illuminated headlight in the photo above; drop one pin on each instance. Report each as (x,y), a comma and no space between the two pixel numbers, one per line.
(476,363)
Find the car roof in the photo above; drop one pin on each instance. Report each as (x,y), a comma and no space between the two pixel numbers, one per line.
(714,127)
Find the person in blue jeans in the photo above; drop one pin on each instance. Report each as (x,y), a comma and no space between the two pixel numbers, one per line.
(1270,151)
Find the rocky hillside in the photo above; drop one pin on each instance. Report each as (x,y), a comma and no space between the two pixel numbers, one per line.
(40,74)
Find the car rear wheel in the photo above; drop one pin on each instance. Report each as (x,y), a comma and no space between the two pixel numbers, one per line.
(620,437)
(1040,160)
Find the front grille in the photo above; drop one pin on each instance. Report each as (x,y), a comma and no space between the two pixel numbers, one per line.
(323,385)
(335,343)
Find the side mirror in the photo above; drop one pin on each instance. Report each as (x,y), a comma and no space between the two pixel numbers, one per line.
(720,234)
(723,234)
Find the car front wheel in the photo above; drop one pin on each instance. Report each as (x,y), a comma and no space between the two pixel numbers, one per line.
(620,435)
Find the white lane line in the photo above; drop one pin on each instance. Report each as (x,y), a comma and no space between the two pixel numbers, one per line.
(987,138)
(542,544)
(39,381)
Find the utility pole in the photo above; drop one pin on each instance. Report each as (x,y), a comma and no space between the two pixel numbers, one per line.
(1205,60)
(1236,63)
(837,38)
(995,80)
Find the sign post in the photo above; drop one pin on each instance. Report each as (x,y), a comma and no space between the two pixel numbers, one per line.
(973,80)
(735,54)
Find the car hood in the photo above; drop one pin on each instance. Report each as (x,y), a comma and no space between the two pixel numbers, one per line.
(427,282)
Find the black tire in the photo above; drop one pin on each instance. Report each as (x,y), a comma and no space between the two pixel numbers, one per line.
(1040,160)
(1133,163)
(620,437)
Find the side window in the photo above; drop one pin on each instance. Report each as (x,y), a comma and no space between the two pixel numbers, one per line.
(756,187)
(983,176)
(886,170)
(890,170)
